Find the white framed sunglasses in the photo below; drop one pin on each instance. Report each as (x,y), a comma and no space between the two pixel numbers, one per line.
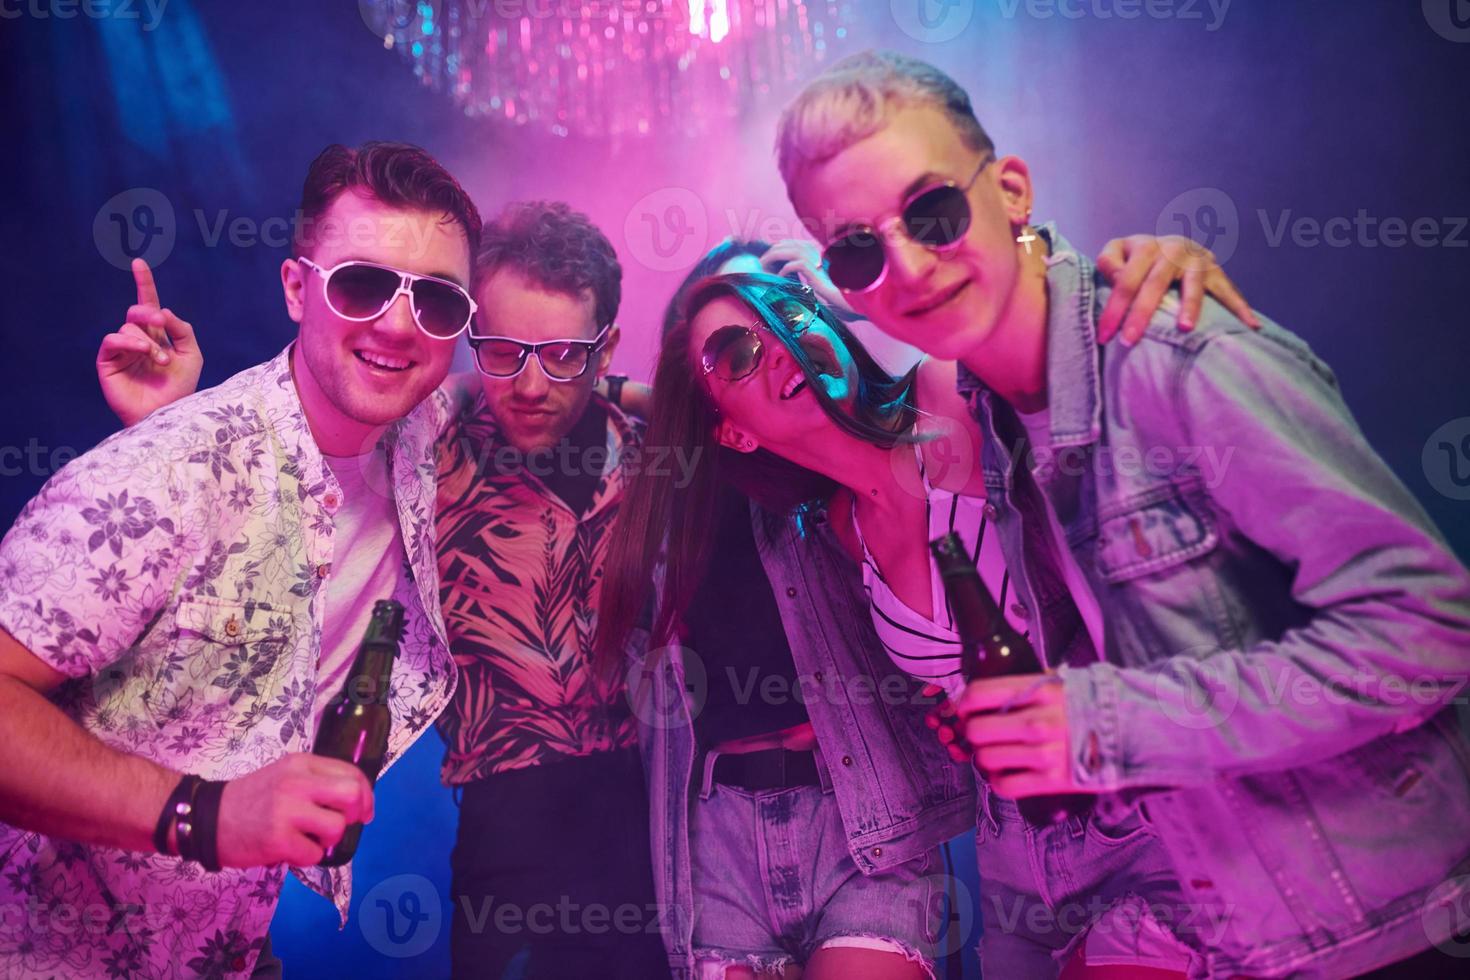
(561,360)
(360,291)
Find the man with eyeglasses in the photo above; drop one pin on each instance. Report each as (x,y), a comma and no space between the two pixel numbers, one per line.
(180,604)
(553,814)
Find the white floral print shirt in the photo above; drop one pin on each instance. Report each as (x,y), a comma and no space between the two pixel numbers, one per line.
(175,574)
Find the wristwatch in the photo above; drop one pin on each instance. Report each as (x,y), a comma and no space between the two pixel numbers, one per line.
(615,388)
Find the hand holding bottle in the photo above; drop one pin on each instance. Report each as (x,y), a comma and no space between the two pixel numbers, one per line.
(291,811)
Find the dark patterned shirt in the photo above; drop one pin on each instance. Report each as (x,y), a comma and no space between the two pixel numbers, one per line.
(520,575)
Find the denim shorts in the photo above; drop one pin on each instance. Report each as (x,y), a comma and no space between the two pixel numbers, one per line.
(774,883)
(1097,888)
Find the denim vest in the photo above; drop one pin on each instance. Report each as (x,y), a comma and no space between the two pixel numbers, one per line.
(899,793)
(1286,632)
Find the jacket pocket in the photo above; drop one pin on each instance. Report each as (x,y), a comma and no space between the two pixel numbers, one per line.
(1157,529)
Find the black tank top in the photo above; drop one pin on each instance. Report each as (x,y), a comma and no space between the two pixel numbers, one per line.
(735,628)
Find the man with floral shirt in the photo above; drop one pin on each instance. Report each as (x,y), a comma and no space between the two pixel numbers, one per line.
(187,596)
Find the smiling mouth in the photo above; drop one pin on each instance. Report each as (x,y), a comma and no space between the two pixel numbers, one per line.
(794,387)
(382,362)
(929,306)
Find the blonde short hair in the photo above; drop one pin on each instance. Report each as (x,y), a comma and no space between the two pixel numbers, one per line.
(854,98)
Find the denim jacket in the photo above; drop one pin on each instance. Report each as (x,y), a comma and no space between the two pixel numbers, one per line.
(899,793)
(1286,632)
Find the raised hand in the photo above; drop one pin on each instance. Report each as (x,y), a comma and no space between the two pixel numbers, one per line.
(152,359)
(803,260)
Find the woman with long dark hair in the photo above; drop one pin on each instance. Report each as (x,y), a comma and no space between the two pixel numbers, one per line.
(812,843)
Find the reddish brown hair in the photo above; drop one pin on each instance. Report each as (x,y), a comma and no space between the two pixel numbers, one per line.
(397,174)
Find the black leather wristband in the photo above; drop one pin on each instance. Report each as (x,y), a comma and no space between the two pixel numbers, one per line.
(183,792)
(615,384)
(206,824)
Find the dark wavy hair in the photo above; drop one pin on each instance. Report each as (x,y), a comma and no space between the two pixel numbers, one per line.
(398,174)
(730,248)
(556,248)
(662,514)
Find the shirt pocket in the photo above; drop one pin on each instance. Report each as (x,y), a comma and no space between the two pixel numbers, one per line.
(230,653)
(1158,529)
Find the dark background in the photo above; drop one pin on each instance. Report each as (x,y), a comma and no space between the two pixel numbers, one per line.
(1287,109)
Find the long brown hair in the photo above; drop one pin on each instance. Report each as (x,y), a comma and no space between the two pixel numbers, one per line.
(671,514)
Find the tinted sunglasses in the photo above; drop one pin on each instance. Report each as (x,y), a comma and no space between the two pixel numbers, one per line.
(361,291)
(936,217)
(561,360)
(734,352)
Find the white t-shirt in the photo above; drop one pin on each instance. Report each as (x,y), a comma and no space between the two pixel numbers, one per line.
(367,563)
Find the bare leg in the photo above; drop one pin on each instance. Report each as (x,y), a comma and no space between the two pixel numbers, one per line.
(848,963)
(1076,970)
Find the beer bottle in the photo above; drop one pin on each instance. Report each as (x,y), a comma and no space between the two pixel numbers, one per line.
(991,647)
(356,723)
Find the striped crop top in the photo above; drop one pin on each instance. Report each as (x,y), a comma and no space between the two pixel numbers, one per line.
(929,648)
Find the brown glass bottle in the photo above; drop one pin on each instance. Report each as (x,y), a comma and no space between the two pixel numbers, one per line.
(991,647)
(357,721)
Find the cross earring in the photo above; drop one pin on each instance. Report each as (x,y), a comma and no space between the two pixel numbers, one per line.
(1027,236)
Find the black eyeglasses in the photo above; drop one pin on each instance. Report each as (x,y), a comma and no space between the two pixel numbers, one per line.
(561,360)
(734,352)
(936,217)
(361,291)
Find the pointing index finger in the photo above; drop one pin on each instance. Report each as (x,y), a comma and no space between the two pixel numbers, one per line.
(143,276)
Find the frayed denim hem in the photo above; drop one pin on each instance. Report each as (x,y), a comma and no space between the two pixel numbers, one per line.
(711,964)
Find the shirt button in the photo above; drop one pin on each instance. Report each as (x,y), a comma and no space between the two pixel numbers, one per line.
(877,852)
(847,760)
(323,570)
(1019,608)
(818,676)
(330,501)
(990,512)
(791,593)
(232,627)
